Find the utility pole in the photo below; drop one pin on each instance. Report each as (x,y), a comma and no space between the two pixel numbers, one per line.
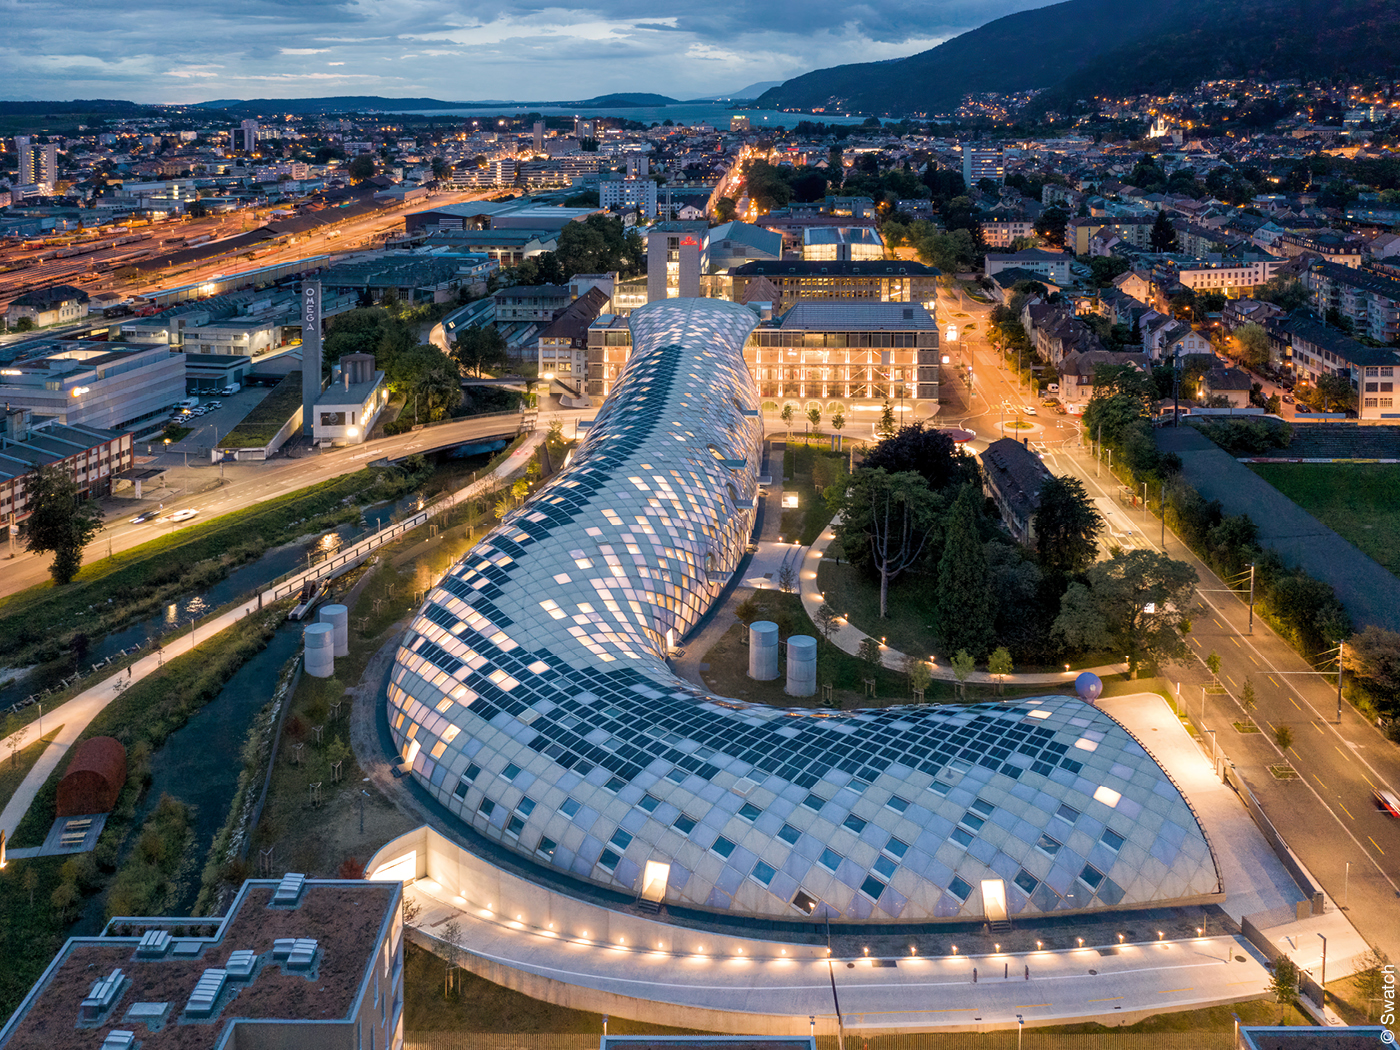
(1341,648)
(1251,598)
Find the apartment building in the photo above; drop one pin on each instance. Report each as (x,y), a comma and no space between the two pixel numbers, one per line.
(1317,350)
(91,456)
(1367,296)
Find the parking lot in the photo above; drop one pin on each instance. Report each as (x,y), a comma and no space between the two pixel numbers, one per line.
(212,425)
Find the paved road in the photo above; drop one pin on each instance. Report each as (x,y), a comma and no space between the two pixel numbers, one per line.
(1327,814)
(247,484)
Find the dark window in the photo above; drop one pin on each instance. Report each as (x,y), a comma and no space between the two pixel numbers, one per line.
(569,807)
(609,859)
(511,771)
(487,807)
(854,823)
(1091,876)
(959,889)
(789,834)
(685,825)
(649,803)
(897,804)
(515,826)
(896,847)
(620,839)
(885,865)
(547,847)
(962,837)
(749,811)
(1112,839)
(615,784)
(763,872)
(1068,813)
(723,846)
(1048,845)
(814,802)
(526,806)
(804,902)
(872,887)
(984,807)
(830,859)
(1026,881)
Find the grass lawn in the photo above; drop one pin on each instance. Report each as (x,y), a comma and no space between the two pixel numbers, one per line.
(807,470)
(16,765)
(1358,501)
(268,416)
(728,669)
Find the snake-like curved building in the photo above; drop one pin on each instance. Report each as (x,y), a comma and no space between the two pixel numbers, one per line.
(532,698)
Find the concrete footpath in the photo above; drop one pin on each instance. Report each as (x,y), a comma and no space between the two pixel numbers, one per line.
(76,714)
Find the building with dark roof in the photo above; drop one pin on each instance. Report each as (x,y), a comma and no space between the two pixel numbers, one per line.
(1315,350)
(294,963)
(45,306)
(564,341)
(1012,475)
(1313,1037)
(107,385)
(1367,296)
(92,457)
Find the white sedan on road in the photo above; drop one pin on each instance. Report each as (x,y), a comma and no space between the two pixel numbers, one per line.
(183,515)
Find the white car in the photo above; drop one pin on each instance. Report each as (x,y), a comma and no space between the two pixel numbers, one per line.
(183,515)
(1029,410)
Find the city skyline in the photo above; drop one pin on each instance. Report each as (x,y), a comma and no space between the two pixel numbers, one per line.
(531,51)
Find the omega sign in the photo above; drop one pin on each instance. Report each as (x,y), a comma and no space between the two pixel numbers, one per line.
(311,308)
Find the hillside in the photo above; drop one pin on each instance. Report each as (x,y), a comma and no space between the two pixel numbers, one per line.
(1084,48)
(332,104)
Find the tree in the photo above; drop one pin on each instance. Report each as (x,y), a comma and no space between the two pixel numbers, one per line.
(918,671)
(1253,344)
(1371,979)
(1283,983)
(25,324)
(1050,226)
(894,514)
(14,736)
(1067,527)
(999,665)
(1248,700)
(838,421)
(60,521)
(1335,393)
(787,415)
(1163,234)
(966,608)
(963,665)
(1213,665)
(787,577)
(1134,603)
(1283,737)
(724,209)
(30,883)
(887,425)
(481,348)
(361,168)
(64,897)
(826,621)
(814,416)
(1374,654)
(451,938)
(870,653)
(929,452)
(426,373)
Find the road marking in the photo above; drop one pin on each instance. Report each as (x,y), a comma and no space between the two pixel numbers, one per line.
(1319,729)
(1236,641)
(1344,809)
(1319,780)
(1377,845)
(1232,681)
(1256,662)
(1271,678)
(1294,703)
(1169,991)
(1218,623)
(1111,999)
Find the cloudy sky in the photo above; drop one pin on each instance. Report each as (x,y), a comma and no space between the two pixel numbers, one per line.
(173,51)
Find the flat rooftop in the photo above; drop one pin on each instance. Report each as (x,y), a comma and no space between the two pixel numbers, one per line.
(346,919)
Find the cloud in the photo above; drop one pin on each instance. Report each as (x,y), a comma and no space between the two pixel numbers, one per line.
(537,49)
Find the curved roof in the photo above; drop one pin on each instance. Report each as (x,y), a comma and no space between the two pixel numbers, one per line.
(532,697)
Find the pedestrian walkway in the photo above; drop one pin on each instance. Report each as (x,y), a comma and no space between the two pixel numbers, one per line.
(77,713)
(848,638)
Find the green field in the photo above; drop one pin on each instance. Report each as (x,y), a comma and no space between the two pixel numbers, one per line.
(1358,501)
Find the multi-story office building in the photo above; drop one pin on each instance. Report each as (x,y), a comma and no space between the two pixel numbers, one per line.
(676,257)
(888,281)
(297,962)
(832,356)
(90,456)
(38,163)
(1368,297)
(531,302)
(244,138)
(95,383)
(979,164)
(1235,278)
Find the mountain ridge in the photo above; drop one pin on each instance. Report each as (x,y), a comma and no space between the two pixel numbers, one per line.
(1082,48)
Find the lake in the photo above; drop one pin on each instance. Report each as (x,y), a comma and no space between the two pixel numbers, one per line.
(686,113)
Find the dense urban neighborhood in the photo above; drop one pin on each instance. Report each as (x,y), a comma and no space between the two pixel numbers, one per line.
(739,569)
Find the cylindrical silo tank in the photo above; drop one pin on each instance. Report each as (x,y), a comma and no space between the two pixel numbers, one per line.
(801,665)
(763,650)
(338,616)
(320,650)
